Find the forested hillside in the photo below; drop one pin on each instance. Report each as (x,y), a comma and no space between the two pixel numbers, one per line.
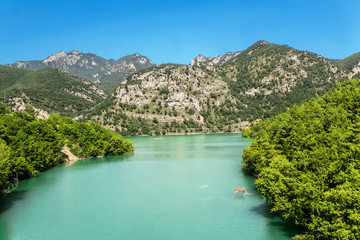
(48,90)
(307,163)
(267,78)
(29,146)
(351,63)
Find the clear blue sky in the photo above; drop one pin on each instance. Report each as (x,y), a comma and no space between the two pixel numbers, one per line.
(175,31)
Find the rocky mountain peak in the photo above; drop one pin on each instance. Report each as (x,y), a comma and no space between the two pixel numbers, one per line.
(215,61)
(55,57)
(262,42)
(90,66)
(200,58)
(76,52)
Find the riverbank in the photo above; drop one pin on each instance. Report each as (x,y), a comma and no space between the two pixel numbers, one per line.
(184,134)
(29,146)
(69,157)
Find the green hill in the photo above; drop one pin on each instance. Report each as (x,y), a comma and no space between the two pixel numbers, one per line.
(49,90)
(351,63)
(307,163)
(267,78)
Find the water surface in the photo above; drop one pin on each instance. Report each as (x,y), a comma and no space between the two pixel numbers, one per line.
(171,187)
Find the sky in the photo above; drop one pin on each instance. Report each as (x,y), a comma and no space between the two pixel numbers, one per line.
(174,31)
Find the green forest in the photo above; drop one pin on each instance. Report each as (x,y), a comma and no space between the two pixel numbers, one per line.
(307,163)
(29,146)
(48,89)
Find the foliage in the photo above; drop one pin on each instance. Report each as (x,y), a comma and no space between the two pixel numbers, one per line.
(307,163)
(29,110)
(108,87)
(28,146)
(89,139)
(3,108)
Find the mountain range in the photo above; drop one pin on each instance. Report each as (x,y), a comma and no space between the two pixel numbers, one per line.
(224,93)
(90,66)
(254,84)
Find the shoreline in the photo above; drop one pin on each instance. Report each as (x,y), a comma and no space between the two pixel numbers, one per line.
(69,158)
(180,134)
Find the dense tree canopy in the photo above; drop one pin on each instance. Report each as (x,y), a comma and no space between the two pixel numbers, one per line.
(307,163)
(28,146)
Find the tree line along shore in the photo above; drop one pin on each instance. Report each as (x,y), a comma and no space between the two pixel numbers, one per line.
(29,145)
(307,163)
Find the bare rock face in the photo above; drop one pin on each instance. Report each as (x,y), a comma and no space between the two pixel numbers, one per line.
(19,105)
(356,69)
(177,87)
(216,61)
(90,66)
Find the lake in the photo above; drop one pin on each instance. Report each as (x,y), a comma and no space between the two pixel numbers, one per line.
(171,187)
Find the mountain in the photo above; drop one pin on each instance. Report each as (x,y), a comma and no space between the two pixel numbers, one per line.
(216,61)
(257,83)
(90,66)
(217,94)
(48,90)
(351,63)
(268,78)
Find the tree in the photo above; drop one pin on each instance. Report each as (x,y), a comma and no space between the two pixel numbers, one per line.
(3,108)
(30,110)
(307,163)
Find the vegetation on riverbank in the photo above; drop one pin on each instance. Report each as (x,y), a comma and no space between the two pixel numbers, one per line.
(307,163)
(29,146)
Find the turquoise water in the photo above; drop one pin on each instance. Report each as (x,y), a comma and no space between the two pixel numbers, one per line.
(171,187)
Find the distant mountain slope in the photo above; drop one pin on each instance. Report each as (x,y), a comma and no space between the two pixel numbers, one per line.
(257,83)
(89,65)
(48,90)
(351,63)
